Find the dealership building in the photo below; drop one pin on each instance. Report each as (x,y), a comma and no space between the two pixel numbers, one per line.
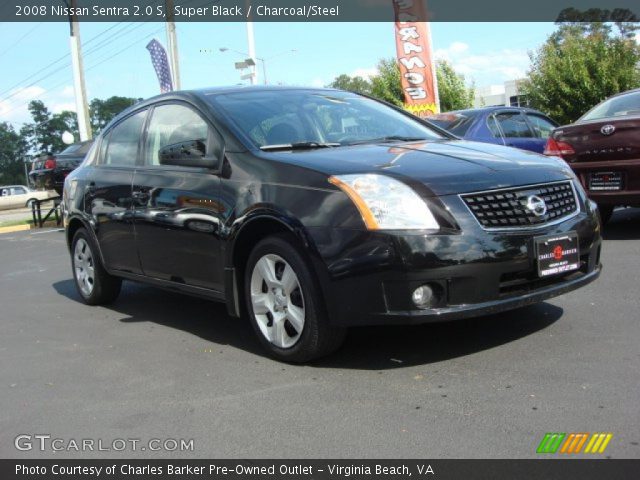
(507,94)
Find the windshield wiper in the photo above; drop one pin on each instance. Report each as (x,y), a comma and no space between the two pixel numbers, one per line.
(299,146)
(389,138)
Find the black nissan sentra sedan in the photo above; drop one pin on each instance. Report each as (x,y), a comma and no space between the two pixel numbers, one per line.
(312,210)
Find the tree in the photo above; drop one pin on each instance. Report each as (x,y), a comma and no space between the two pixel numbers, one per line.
(452,89)
(386,85)
(103,111)
(13,150)
(44,135)
(351,84)
(580,65)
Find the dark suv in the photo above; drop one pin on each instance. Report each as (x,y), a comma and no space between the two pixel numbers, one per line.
(311,210)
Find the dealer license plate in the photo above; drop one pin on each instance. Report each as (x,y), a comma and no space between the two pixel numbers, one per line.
(557,254)
(605,181)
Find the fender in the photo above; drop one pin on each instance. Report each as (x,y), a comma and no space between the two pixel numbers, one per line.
(258,213)
(87,226)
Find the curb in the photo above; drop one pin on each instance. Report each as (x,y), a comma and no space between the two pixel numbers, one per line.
(15,228)
(28,226)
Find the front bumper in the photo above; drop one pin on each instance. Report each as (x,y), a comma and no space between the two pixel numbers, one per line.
(367,277)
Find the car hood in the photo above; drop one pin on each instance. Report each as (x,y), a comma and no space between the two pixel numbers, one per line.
(444,167)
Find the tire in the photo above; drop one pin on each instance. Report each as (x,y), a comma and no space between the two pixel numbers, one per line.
(287,311)
(30,202)
(605,213)
(94,284)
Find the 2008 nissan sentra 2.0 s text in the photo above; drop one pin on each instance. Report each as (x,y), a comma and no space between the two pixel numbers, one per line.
(310,210)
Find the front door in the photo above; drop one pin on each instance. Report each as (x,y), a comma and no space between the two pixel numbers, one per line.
(177,210)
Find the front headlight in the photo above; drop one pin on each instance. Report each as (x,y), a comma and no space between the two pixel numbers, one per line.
(386,203)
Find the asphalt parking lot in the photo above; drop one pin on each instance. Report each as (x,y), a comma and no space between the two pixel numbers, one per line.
(159,365)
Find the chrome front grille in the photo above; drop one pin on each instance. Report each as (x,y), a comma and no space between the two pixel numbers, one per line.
(521,207)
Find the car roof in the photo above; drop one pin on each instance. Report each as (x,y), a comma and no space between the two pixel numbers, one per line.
(210,91)
(201,94)
(493,108)
(626,92)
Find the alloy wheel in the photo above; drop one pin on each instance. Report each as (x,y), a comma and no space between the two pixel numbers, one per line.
(84,267)
(277,301)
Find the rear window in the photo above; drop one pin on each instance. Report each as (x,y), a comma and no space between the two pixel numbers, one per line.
(623,105)
(77,148)
(456,123)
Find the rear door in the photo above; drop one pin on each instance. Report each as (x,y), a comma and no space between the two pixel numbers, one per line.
(19,196)
(514,129)
(107,195)
(542,127)
(177,210)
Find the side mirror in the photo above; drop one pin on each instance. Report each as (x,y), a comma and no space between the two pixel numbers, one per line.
(191,153)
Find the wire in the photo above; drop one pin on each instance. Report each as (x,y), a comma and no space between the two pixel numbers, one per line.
(50,91)
(20,39)
(67,64)
(95,48)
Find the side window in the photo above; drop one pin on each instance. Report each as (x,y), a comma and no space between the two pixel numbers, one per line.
(18,191)
(103,148)
(492,123)
(4,192)
(542,127)
(513,125)
(92,155)
(122,145)
(172,124)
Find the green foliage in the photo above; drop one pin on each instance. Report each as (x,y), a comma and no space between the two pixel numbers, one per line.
(387,86)
(44,135)
(103,111)
(351,84)
(452,89)
(12,153)
(580,65)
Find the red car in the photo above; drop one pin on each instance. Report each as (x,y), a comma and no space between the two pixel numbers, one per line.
(603,149)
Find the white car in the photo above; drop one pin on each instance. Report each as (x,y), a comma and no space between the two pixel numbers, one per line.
(17,196)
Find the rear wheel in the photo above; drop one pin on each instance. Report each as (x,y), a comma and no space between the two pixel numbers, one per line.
(94,284)
(30,202)
(285,305)
(605,213)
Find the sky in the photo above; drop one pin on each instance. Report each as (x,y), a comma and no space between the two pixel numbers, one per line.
(117,63)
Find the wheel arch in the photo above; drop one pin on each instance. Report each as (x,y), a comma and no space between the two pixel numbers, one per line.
(245,237)
(76,223)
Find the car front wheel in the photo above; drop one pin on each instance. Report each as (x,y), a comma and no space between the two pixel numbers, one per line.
(94,284)
(285,305)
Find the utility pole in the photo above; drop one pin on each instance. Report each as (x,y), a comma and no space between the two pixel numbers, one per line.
(252,47)
(82,108)
(172,44)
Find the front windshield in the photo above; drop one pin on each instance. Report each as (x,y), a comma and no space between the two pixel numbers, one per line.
(285,117)
(622,105)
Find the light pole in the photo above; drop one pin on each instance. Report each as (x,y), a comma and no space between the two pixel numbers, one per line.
(262,60)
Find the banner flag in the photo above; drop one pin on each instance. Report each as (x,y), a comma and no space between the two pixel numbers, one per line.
(161,65)
(413,47)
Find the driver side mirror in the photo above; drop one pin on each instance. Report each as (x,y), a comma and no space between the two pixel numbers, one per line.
(190,153)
